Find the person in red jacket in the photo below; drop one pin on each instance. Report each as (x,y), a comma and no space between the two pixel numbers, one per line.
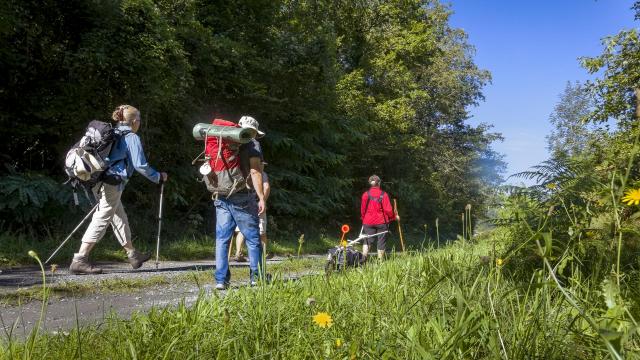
(376,214)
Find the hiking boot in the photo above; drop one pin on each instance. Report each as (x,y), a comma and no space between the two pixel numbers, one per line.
(240,259)
(136,259)
(82,266)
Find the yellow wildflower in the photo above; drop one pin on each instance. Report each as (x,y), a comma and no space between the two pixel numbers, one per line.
(499,262)
(54,267)
(632,197)
(551,186)
(338,342)
(323,320)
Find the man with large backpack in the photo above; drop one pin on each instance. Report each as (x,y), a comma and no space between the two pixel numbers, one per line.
(376,214)
(235,180)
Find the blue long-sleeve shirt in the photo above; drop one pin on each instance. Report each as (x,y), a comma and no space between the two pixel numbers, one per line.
(127,155)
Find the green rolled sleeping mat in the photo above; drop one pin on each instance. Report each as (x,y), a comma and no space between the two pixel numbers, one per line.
(235,134)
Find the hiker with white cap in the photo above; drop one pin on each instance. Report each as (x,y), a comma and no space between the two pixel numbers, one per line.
(248,122)
(238,200)
(251,123)
(126,156)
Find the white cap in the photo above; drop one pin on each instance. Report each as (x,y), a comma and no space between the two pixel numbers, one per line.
(250,123)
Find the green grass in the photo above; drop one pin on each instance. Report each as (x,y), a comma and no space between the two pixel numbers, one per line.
(441,304)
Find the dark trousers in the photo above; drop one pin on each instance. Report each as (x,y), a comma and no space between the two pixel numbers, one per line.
(374,229)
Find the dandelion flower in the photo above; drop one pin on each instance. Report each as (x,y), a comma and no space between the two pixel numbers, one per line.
(323,320)
(551,186)
(632,197)
(338,342)
(499,262)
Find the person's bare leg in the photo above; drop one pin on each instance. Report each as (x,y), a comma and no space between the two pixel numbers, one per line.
(380,254)
(239,242)
(365,250)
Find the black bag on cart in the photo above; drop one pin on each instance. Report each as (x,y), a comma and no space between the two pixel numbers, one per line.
(340,258)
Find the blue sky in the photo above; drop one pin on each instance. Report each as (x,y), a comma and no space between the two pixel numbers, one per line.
(531,49)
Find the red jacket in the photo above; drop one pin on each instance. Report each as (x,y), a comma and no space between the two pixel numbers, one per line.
(377,213)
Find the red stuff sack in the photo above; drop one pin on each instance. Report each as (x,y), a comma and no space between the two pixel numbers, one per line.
(226,176)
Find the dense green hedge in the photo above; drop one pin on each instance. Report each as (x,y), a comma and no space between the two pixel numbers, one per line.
(343,89)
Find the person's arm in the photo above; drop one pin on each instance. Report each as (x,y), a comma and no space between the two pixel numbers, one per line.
(139,161)
(388,209)
(255,166)
(363,205)
(266,188)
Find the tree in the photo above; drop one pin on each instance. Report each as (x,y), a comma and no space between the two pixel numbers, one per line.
(569,118)
(615,91)
(342,88)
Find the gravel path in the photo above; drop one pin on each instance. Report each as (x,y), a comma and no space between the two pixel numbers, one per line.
(19,320)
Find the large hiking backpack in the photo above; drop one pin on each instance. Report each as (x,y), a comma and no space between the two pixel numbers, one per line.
(226,176)
(87,160)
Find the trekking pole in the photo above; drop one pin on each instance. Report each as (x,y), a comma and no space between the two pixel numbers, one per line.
(159,223)
(395,208)
(70,235)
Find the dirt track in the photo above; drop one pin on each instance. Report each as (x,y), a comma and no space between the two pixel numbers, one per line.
(61,312)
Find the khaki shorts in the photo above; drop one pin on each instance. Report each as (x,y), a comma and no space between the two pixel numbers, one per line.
(262,224)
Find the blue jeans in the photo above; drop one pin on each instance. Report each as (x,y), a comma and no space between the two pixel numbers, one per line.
(239,209)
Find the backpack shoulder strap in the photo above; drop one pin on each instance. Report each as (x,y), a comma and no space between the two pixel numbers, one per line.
(368,200)
(384,215)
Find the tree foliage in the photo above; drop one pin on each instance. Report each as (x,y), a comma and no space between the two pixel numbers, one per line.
(577,203)
(570,134)
(343,89)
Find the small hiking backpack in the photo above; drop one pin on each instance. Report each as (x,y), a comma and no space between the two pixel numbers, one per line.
(87,160)
(377,200)
(226,176)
